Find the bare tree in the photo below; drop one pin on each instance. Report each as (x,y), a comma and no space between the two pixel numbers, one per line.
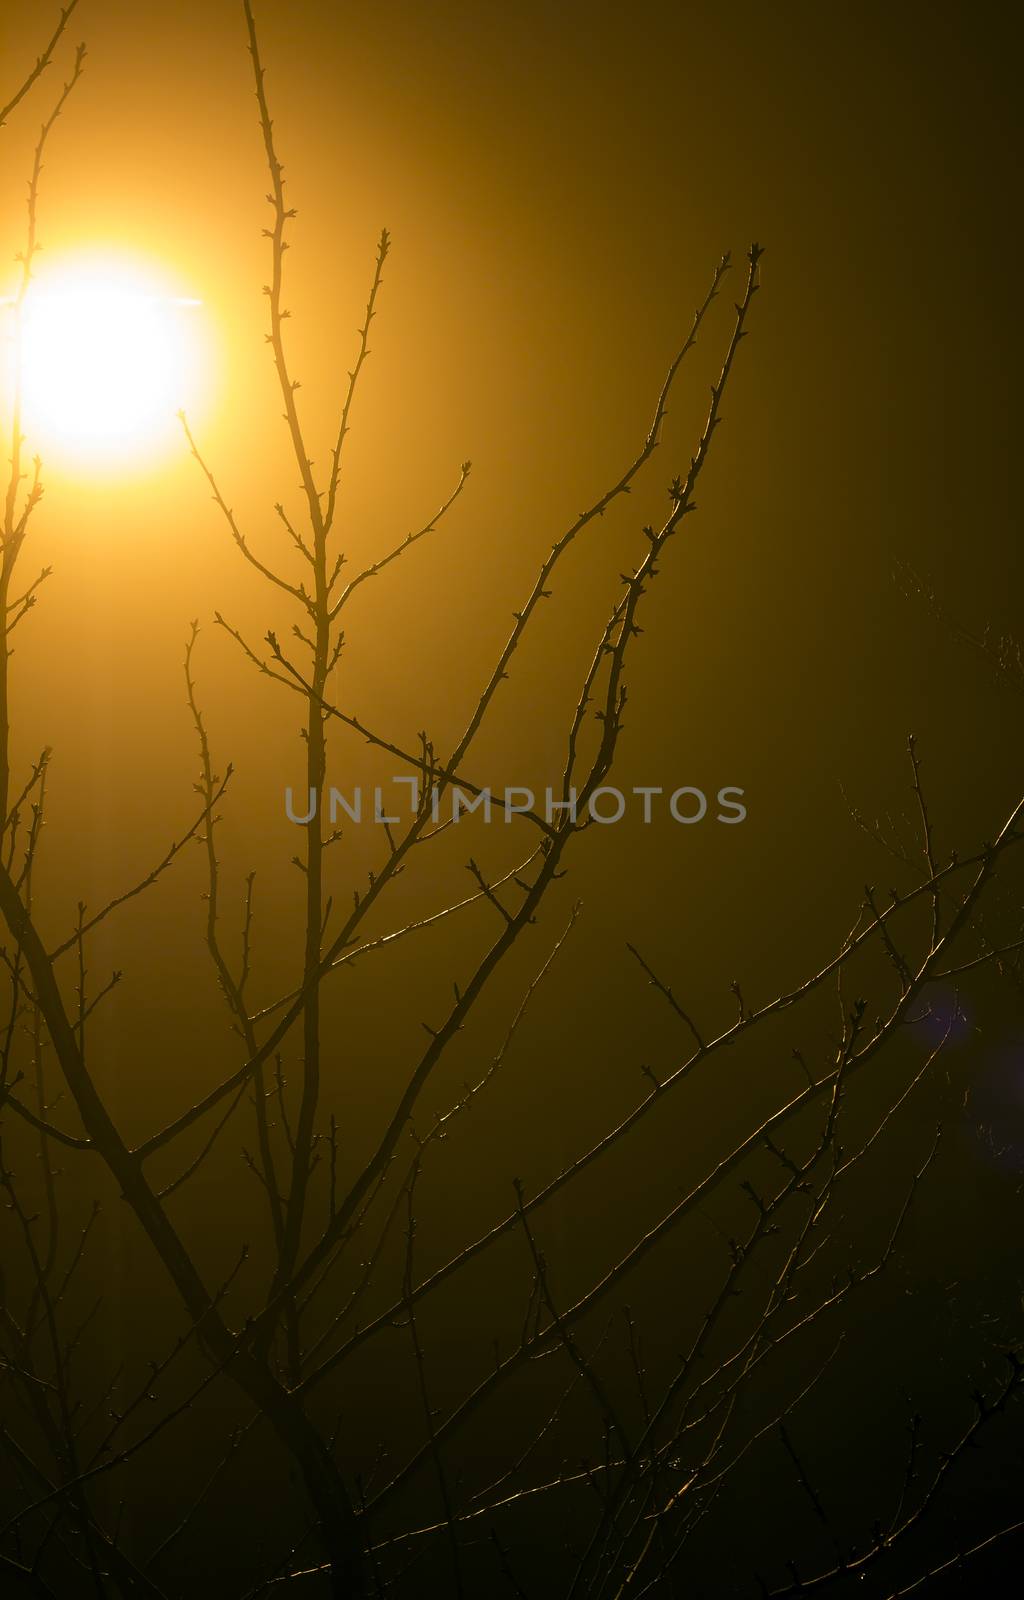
(628,1450)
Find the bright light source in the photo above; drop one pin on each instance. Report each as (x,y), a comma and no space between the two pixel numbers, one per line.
(109,355)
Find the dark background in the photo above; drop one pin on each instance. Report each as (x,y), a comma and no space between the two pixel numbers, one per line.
(560,181)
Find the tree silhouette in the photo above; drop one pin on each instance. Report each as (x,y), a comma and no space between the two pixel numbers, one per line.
(609,1452)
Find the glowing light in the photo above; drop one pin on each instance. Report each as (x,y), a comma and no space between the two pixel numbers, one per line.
(109,355)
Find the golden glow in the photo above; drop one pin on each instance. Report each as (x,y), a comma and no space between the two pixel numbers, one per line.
(110,352)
